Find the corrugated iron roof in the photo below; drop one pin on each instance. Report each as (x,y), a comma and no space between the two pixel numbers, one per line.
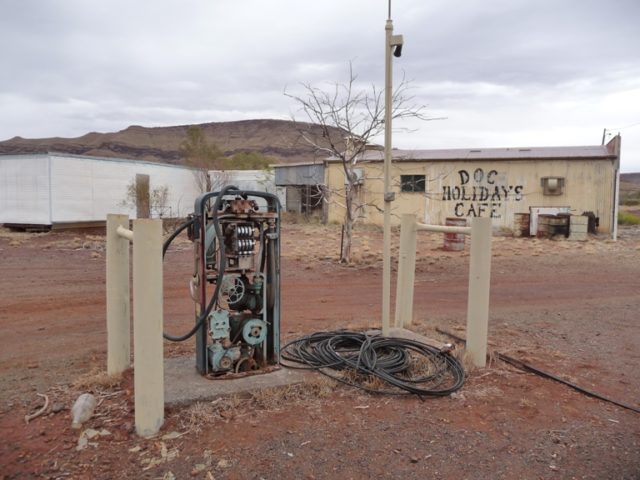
(519,153)
(299,164)
(93,157)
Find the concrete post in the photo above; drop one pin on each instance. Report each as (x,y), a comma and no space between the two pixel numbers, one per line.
(406,271)
(479,282)
(388,194)
(147,326)
(118,313)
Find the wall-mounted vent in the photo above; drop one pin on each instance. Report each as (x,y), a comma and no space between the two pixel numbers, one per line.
(552,185)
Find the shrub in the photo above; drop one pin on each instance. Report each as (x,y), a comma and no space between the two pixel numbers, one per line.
(627,218)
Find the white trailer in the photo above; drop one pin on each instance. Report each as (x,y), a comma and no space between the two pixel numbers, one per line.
(55,189)
(256,180)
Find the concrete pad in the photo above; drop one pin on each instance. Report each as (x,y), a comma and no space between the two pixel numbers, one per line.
(410,335)
(183,385)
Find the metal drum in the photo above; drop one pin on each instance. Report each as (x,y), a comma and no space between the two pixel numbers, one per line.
(454,242)
(550,225)
(521,224)
(544,227)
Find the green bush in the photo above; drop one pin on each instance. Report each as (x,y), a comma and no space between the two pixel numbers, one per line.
(626,218)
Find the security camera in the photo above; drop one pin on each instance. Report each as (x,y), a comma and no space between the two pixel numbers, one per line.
(396,41)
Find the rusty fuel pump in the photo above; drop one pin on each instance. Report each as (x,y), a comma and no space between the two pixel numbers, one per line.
(236,281)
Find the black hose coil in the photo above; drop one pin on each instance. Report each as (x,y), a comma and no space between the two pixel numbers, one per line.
(392,360)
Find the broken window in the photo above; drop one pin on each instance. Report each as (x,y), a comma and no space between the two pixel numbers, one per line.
(412,183)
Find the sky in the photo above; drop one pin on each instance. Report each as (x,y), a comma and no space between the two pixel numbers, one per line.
(502,73)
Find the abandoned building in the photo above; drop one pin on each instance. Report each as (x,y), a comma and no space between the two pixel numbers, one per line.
(500,183)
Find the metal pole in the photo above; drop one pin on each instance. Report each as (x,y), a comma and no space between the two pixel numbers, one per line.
(118,313)
(406,271)
(479,282)
(616,187)
(147,326)
(388,195)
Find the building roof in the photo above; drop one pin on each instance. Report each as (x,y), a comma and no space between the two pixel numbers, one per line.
(92,157)
(519,153)
(299,164)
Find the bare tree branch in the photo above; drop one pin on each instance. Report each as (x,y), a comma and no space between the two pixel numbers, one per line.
(343,122)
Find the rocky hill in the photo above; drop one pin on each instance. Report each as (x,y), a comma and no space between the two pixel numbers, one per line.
(630,189)
(277,138)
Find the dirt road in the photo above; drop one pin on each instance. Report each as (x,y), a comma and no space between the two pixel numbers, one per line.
(571,308)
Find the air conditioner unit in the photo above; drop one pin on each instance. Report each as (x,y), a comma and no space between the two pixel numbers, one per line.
(552,185)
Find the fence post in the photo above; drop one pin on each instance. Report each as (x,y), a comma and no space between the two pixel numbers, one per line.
(118,312)
(147,326)
(479,282)
(406,271)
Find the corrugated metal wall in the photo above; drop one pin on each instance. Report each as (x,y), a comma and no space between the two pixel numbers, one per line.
(48,189)
(257,180)
(300,175)
(497,189)
(86,189)
(24,189)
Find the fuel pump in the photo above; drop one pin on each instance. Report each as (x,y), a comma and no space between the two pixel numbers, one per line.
(236,280)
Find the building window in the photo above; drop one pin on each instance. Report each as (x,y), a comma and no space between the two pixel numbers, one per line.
(412,183)
(552,185)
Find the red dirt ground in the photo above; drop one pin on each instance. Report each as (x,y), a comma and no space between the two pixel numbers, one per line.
(571,308)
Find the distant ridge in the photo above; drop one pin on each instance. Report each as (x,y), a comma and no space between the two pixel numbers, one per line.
(630,178)
(277,138)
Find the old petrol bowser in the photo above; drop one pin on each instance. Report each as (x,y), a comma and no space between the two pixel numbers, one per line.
(236,281)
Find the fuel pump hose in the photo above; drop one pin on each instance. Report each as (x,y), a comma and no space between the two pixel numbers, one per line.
(214,298)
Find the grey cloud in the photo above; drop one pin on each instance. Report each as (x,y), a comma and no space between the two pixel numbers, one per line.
(524,42)
(75,66)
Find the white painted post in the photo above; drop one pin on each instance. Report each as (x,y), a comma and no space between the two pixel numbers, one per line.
(406,271)
(147,326)
(118,313)
(479,282)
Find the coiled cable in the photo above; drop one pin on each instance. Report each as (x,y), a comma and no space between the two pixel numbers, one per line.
(407,366)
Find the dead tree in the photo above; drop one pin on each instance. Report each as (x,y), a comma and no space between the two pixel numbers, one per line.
(349,118)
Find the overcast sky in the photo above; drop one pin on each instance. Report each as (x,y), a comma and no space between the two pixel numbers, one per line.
(505,73)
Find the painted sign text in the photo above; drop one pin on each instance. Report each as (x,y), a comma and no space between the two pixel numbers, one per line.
(480,194)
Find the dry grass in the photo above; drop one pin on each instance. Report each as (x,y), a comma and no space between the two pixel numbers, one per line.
(492,359)
(464,357)
(480,391)
(19,236)
(357,378)
(315,387)
(97,380)
(375,383)
(201,414)
(420,367)
(526,403)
